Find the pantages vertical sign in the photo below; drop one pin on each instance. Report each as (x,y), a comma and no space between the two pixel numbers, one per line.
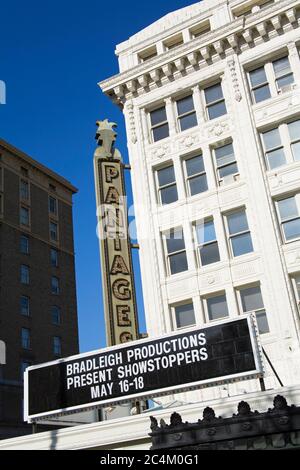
(115,245)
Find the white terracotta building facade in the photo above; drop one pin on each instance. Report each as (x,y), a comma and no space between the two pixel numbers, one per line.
(211,99)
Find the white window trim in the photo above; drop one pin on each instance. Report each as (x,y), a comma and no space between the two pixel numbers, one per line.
(281,222)
(235,176)
(229,236)
(188,113)
(207,106)
(240,304)
(151,127)
(207,219)
(167,254)
(173,315)
(187,178)
(169,185)
(205,306)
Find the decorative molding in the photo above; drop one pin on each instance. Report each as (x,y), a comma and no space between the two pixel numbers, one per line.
(218,129)
(234,78)
(227,39)
(130,109)
(161,151)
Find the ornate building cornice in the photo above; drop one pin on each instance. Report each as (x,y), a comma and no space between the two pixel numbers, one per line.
(235,37)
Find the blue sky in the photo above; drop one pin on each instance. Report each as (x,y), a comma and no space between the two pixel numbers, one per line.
(52,55)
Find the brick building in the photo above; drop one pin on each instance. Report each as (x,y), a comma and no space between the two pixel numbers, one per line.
(38,310)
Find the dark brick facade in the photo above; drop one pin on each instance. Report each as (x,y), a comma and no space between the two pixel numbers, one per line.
(39,322)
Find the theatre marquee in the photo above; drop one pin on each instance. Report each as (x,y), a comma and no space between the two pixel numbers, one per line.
(219,353)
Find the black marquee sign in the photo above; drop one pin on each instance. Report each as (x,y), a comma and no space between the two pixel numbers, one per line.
(178,362)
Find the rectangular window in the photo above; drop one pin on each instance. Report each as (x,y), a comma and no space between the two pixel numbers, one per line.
(259,85)
(296,286)
(24,190)
(57,346)
(252,302)
(25,338)
(215,102)
(226,164)
(52,205)
(283,73)
(174,41)
(200,29)
(217,306)
(239,233)
(289,217)
(159,124)
(177,260)
(186,113)
(56,315)
(207,242)
(195,175)
(294,133)
(54,258)
(24,272)
(53,232)
(24,245)
(24,306)
(24,216)
(54,285)
(167,187)
(184,315)
(274,150)
(147,54)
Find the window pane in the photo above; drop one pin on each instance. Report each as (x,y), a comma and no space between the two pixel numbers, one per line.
(194,165)
(272,139)
(292,229)
(237,222)
(217,307)
(24,245)
(241,244)
(288,208)
(296,150)
(198,184)
(294,130)
(53,231)
(52,205)
(213,93)
(24,274)
(262,323)
(224,154)
(188,121)
(205,232)
(24,216)
(262,93)
(285,81)
(157,116)
(251,299)
(175,241)
(217,110)
(276,158)
(169,195)
(281,66)
(178,263)
(160,132)
(258,77)
(209,254)
(54,258)
(166,176)
(185,105)
(228,170)
(55,313)
(24,305)
(185,315)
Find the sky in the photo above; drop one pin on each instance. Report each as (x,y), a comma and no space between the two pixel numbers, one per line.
(52,55)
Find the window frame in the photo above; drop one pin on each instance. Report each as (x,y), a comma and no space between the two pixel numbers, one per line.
(219,167)
(53,240)
(57,289)
(173,307)
(237,234)
(165,186)
(23,238)
(281,222)
(28,220)
(28,306)
(198,246)
(254,312)
(58,309)
(213,103)
(55,212)
(27,275)
(213,295)
(24,194)
(169,255)
(26,342)
(60,345)
(188,113)
(160,124)
(187,178)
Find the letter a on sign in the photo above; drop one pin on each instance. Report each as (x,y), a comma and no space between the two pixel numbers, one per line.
(119,266)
